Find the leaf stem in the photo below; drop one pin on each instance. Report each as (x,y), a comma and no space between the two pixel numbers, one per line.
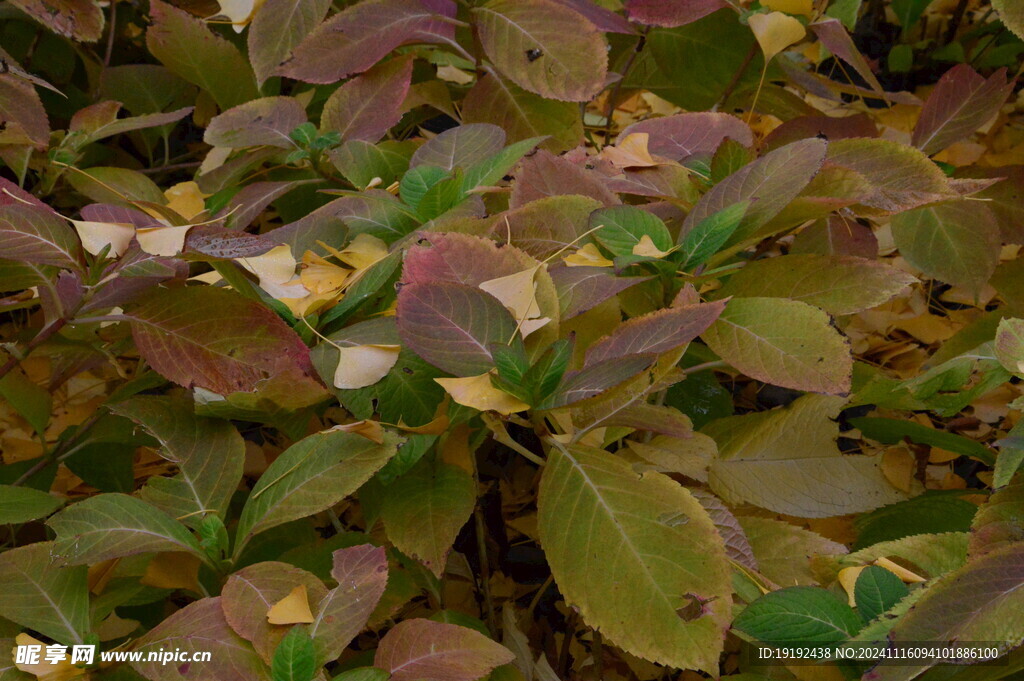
(736,77)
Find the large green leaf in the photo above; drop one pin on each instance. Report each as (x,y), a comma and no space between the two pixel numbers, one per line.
(638,556)
(424,510)
(982,601)
(209,454)
(784,342)
(837,284)
(311,475)
(621,228)
(932,512)
(21,504)
(544,47)
(185,45)
(199,627)
(786,460)
(420,649)
(221,341)
(39,595)
(892,431)
(114,525)
(452,325)
(955,242)
(803,615)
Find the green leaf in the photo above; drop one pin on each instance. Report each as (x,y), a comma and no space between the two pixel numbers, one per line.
(417,182)
(622,227)
(846,11)
(293,659)
(710,234)
(42,596)
(441,197)
(838,284)
(187,47)
(424,510)
(209,454)
(463,146)
(313,474)
(360,162)
(218,340)
(909,11)
(453,325)
(638,556)
(783,342)
(982,601)
(801,615)
(422,649)
(490,170)
(115,525)
(929,513)
(369,285)
(199,627)
(893,431)
(20,505)
(877,590)
(931,555)
(38,236)
(544,47)
(786,460)
(955,242)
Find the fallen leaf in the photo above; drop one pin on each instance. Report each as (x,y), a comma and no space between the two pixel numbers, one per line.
(364,251)
(96,235)
(848,580)
(775,32)
(517,292)
(239,12)
(478,393)
(903,573)
(587,255)
(630,152)
(162,240)
(292,609)
(804,7)
(43,670)
(320,276)
(646,247)
(360,366)
(186,199)
(371,430)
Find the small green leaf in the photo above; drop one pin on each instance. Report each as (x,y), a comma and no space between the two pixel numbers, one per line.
(798,615)
(417,182)
(622,228)
(294,658)
(491,170)
(710,234)
(877,590)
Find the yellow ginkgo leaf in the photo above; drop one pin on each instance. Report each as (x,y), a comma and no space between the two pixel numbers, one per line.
(363,365)
(848,580)
(320,276)
(775,32)
(276,272)
(364,251)
(186,199)
(805,7)
(517,292)
(630,152)
(528,326)
(96,235)
(477,393)
(292,609)
(647,248)
(239,12)
(371,430)
(587,256)
(43,670)
(903,573)
(162,240)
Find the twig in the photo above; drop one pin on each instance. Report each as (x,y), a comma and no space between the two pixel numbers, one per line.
(954,24)
(614,94)
(60,452)
(485,565)
(173,166)
(110,34)
(736,77)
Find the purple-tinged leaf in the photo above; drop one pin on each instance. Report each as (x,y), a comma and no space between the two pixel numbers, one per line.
(462,146)
(185,45)
(544,47)
(544,174)
(656,332)
(22,116)
(77,19)
(361,573)
(367,106)
(277,28)
(962,101)
(253,199)
(199,627)
(361,35)
(835,37)
(218,340)
(605,20)
(737,546)
(582,288)
(829,127)
(1005,198)
(13,195)
(208,242)
(681,136)
(40,595)
(249,594)
(597,379)
(453,325)
(651,417)
(268,121)
(769,183)
(545,226)
(137,272)
(424,650)
(109,212)
(837,236)
(671,13)
(100,121)
(31,234)
(460,258)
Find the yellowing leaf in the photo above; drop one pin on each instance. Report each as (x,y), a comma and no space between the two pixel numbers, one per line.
(292,609)
(630,152)
(805,7)
(240,12)
(478,393)
(162,240)
(364,251)
(276,272)
(647,248)
(588,256)
(371,430)
(320,276)
(363,365)
(43,670)
(173,570)
(900,571)
(96,235)
(186,199)
(517,292)
(848,580)
(775,32)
